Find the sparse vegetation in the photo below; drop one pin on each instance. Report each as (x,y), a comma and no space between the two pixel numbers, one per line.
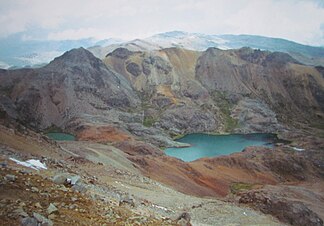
(230,123)
(148,121)
(225,108)
(238,187)
(178,136)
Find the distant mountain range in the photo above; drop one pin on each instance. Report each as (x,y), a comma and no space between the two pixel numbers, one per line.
(17,52)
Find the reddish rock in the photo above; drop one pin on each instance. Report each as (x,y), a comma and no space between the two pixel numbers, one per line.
(140,148)
(103,133)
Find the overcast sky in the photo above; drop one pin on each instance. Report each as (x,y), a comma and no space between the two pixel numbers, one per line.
(297,20)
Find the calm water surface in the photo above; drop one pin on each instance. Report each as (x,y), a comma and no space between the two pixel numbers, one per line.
(61,136)
(204,145)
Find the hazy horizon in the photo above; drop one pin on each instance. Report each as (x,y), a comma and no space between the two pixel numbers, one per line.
(301,21)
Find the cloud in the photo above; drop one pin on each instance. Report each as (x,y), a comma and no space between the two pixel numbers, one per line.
(74,34)
(295,20)
(298,20)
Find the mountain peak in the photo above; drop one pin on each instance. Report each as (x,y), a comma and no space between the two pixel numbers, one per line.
(75,57)
(79,53)
(173,34)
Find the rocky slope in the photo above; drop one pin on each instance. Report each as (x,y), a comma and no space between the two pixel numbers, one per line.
(108,189)
(291,90)
(216,89)
(176,90)
(72,85)
(122,109)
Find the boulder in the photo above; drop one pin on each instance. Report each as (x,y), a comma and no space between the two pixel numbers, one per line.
(10,177)
(184,219)
(66,178)
(127,199)
(51,209)
(287,211)
(42,220)
(79,187)
(29,221)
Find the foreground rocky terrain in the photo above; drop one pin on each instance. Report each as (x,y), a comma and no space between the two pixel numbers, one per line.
(124,109)
(109,189)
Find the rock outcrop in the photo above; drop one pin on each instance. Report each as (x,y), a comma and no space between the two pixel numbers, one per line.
(74,84)
(291,90)
(246,90)
(288,211)
(173,91)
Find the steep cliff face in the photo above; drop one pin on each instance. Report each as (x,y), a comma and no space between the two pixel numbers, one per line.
(71,85)
(147,71)
(172,97)
(291,90)
(251,90)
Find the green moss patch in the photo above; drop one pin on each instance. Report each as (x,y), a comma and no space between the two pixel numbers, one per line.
(148,121)
(225,109)
(238,187)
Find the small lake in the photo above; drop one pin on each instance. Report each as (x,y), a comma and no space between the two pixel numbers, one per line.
(61,136)
(205,145)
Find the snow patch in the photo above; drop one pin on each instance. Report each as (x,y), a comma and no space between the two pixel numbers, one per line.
(162,208)
(32,163)
(4,65)
(298,149)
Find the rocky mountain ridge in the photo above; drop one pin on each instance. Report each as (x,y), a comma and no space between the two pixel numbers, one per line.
(308,55)
(18,52)
(273,86)
(124,108)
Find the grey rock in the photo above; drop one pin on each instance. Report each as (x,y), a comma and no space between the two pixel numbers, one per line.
(73,179)
(153,135)
(161,65)
(184,219)
(73,206)
(8,107)
(291,212)
(66,178)
(42,220)
(146,66)
(79,187)
(188,120)
(3,164)
(134,69)
(10,177)
(20,212)
(29,221)
(255,116)
(75,77)
(127,199)
(161,102)
(51,209)
(122,53)
(60,178)
(34,189)
(38,205)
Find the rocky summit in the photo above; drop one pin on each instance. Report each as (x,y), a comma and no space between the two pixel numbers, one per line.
(126,107)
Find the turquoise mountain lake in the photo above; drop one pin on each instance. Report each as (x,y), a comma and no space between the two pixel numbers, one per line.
(61,136)
(205,145)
